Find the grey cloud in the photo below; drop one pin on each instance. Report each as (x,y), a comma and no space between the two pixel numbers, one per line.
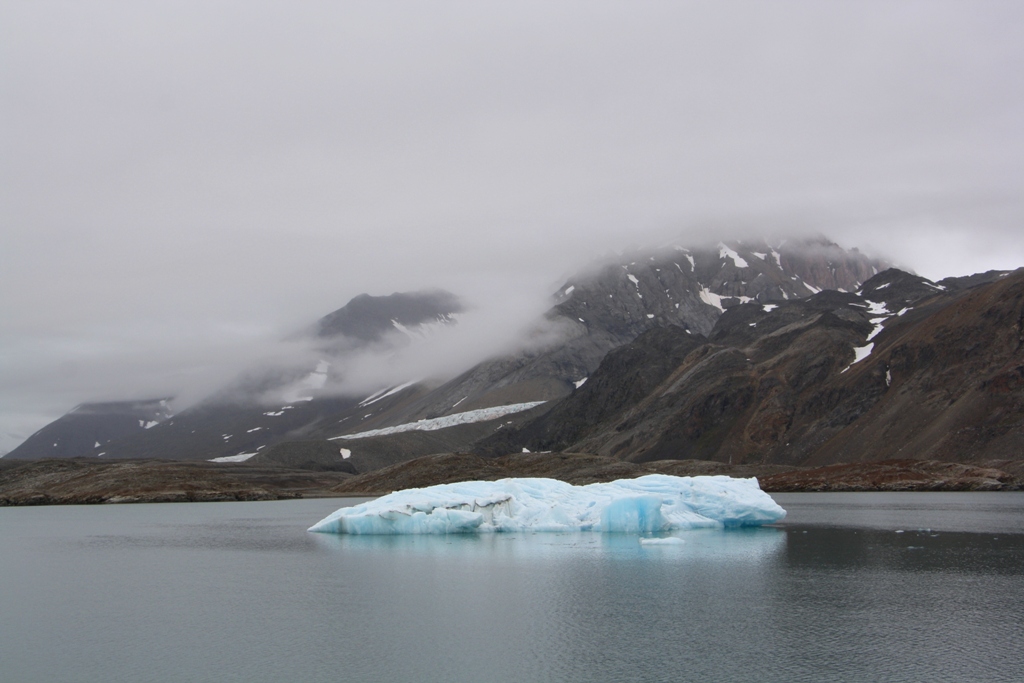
(222,173)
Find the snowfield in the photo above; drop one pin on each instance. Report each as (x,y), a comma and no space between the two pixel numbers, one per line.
(481,415)
(653,503)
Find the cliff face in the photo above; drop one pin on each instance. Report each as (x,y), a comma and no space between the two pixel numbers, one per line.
(904,369)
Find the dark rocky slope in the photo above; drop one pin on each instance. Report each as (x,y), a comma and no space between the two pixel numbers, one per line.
(944,380)
(90,428)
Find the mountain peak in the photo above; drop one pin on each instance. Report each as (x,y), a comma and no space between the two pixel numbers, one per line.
(367,318)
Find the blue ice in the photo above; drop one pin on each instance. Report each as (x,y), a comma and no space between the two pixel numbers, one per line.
(648,504)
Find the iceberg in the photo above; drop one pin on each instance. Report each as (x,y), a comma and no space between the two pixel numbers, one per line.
(648,504)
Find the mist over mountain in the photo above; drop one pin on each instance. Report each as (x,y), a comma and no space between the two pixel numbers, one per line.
(427,354)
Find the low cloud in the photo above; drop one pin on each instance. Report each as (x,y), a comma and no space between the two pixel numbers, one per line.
(180,190)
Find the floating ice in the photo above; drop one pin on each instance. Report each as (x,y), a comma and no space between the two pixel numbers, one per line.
(653,503)
(671,540)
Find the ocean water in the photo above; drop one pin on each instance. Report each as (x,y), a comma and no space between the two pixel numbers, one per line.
(241,592)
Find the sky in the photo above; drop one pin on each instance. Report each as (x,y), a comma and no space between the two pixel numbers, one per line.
(183,183)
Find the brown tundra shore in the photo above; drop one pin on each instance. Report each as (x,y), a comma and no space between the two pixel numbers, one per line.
(88,481)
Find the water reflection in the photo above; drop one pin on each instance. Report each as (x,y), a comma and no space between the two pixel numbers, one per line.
(703,545)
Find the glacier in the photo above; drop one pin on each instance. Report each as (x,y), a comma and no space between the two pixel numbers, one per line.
(435,423)
(649,504)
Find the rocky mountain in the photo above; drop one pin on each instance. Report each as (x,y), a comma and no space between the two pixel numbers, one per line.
(91,427)
(368,319)
(591,314)
(903,368)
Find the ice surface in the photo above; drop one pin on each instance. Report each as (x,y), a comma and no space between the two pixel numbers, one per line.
(481,415)
(648,504)
(241,457)
(671,540)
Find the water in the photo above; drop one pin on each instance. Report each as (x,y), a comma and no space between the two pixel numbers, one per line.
(240,592)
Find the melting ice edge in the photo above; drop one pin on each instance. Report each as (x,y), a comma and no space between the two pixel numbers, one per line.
(648,504)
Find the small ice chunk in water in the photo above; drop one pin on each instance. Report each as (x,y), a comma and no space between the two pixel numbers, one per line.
(649,504)
(671,540)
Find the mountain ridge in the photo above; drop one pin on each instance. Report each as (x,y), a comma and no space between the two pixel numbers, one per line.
(593,312)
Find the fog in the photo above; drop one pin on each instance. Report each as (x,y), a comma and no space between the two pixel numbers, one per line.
(184,184)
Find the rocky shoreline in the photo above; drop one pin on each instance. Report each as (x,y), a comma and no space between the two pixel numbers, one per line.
(78,481)
(86,481)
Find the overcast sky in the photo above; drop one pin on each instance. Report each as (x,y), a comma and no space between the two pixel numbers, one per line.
(183,182)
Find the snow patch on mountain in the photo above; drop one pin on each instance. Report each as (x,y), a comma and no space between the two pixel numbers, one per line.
(725,252)
(241,457)
(433,424)
(709,297)
(384,393)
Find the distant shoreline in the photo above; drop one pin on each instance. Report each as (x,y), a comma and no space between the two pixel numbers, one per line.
(80,481)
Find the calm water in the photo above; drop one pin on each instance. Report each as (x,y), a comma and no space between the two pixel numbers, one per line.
(240,592)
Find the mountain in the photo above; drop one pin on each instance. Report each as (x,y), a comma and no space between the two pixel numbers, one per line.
(293,402)
(592,313)
(90,428)
(903,368)
(369,319)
